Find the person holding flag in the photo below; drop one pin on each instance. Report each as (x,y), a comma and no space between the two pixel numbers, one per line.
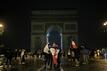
(54,50)
(73,44)
(76,51)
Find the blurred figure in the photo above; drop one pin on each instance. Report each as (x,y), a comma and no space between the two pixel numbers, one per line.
(69,55)
(72,55)
(55,52)
(95,54)
(85,54)
(8,55)
(35,57)
(46,52)
(98,53)
(15,54)
(18,59)
(77,56)
(22,56)
(75,52)
(91,56)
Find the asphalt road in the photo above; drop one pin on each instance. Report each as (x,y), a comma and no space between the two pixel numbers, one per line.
(97,65)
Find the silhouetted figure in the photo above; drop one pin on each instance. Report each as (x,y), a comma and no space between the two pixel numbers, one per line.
(8,55)
(15,53)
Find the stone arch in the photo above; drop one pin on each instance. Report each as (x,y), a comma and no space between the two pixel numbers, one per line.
(54,34)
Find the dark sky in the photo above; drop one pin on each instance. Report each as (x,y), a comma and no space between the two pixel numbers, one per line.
(16,14)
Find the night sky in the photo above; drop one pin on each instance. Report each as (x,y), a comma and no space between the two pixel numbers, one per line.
(16,16)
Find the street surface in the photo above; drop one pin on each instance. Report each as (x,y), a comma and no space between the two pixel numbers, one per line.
(97,65)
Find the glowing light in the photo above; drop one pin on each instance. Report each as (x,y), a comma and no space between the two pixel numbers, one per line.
(1,28)
(105,24)
(1,25)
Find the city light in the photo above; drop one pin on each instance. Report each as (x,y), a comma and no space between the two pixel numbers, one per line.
(105,24)
(1,28)
(1,34)
(1,25)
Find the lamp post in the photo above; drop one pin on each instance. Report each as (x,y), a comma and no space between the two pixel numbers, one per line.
(1,33)
(105,26)
(1,28)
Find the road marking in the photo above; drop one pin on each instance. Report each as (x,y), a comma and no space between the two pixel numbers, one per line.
(61,69)
(41,68)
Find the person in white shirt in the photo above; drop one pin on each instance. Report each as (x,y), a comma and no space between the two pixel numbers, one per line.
(46,52)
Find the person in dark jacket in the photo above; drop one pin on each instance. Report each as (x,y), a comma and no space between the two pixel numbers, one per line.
(8,55)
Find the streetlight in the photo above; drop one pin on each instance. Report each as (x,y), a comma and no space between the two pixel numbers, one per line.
(1,28)
(105,26)
(1,33)
(105,23)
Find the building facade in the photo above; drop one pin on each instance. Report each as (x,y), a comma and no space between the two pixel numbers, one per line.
(49,25)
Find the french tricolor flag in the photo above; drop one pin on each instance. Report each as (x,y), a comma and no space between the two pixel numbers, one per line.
(74,45)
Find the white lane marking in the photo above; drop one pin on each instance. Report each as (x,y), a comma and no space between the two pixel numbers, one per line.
(41,68)
(61,69)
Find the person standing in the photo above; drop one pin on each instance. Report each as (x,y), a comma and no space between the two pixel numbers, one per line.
(85,54)
(22,56)
(46,52)
(75,52)
(8,55)
(55,51)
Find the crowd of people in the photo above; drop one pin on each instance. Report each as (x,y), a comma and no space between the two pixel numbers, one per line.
(18,56)
(76,54)
(51,54)
(79,55)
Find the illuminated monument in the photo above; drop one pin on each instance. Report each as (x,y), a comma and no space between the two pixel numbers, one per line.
(53,26)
